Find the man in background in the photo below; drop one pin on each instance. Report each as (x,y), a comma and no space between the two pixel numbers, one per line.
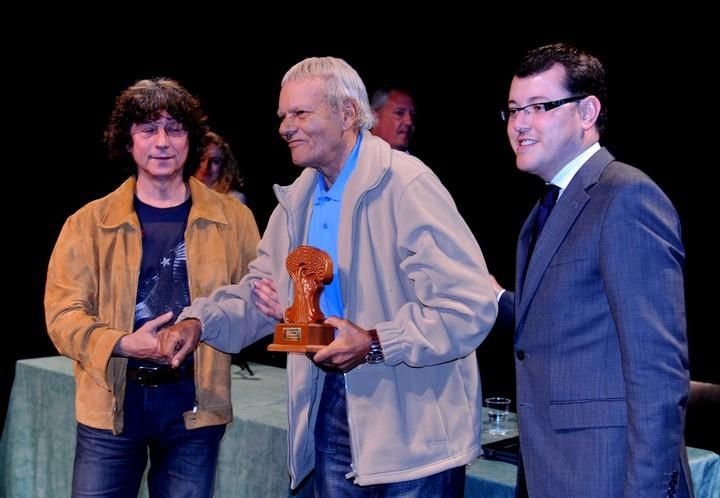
(394,112)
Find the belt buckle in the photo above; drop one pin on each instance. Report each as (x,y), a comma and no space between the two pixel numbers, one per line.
(147,376)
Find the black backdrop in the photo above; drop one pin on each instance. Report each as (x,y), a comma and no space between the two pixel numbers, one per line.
(57,100)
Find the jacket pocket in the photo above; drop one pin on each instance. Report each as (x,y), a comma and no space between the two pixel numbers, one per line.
(589,413)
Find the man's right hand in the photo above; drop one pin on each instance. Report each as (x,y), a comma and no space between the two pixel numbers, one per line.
(178,341)
(143,342)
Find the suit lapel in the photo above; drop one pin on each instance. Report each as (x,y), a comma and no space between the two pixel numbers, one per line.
(521,255)
(568,208)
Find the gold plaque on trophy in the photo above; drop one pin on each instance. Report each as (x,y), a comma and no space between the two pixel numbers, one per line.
(303,331)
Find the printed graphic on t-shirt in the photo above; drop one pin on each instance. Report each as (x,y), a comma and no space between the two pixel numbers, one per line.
(166,289)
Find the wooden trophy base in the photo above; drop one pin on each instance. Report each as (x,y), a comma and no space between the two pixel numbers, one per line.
(301,337)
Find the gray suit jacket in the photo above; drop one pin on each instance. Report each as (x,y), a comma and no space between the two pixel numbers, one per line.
(600,341)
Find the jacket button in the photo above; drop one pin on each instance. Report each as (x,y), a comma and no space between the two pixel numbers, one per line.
(520,354)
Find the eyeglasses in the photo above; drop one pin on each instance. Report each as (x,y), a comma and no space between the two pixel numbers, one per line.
(172,129)
(537,107)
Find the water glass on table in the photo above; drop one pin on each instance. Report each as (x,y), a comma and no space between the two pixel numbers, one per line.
(498,409)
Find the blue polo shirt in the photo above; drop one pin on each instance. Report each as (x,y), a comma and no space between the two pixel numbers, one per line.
(323,230)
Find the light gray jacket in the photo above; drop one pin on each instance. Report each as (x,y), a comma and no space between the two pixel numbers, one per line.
(410,268)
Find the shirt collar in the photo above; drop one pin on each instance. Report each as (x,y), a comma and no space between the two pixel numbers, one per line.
(335,192)
(565,175)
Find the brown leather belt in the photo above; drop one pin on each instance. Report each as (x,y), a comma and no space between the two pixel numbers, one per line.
(157,376)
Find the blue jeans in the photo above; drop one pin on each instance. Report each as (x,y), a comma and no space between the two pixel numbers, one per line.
(332,458)
(182,462)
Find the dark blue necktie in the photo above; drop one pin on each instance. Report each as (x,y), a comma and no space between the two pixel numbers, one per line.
(547,203)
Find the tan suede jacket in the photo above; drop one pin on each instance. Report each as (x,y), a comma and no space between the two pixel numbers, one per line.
(92,288)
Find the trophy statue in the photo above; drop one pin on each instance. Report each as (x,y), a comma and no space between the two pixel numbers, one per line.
(303,331)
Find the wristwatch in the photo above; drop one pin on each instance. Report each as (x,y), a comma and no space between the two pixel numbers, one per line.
(375,355)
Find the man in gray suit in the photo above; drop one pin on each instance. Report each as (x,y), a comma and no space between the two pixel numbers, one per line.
(600,334)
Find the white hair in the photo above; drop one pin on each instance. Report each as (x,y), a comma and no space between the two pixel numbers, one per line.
(342,81)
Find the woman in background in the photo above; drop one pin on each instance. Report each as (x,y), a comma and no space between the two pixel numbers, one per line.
(218,168)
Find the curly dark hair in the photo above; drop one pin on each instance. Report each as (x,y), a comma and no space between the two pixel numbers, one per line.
(145,101)
(585,74)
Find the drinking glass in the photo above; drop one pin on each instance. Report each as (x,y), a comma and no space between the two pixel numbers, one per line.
(498,409)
